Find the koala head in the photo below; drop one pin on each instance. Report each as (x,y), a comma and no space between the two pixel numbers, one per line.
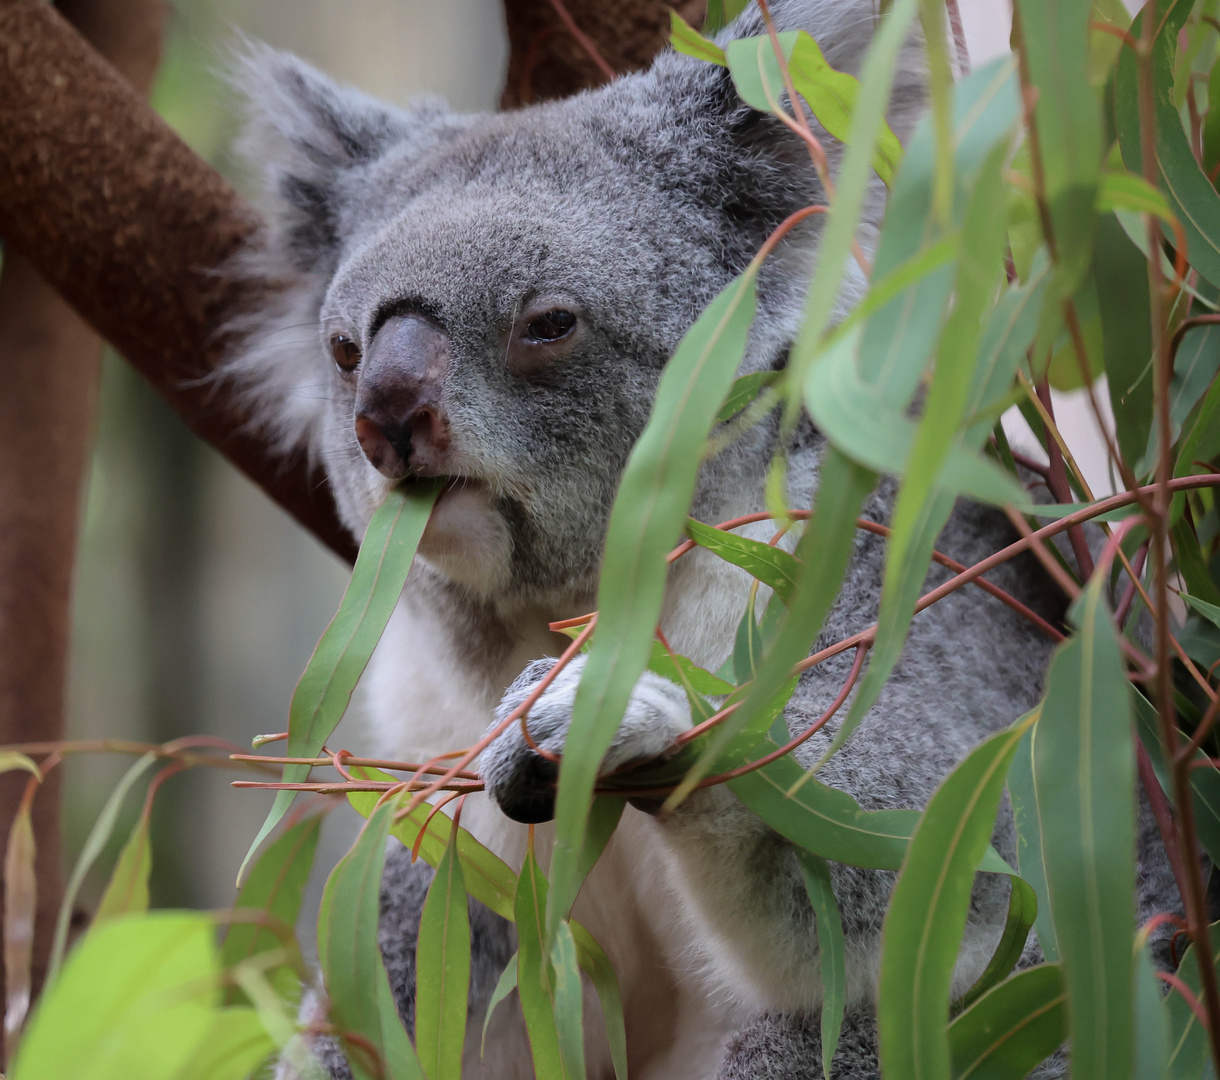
(491,299)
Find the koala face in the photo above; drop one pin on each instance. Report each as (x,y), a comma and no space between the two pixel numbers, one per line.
(495,296)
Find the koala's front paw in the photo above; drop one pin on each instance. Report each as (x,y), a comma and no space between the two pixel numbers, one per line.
(522,782)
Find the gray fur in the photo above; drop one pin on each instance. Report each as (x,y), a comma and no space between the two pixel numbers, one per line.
(632,206)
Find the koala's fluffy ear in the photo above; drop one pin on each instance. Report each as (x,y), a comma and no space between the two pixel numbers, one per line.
(305,134)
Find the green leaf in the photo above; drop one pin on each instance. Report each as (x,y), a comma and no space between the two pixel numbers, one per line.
(11,759)
(487,877)
(20,911)
(442,960)
(686,672)
(686,39)
(830,94)
(821,819)
(1126,321)
(1124,190)
(1024,798)
(745,389)
(1022,914)
(322,695)
(1191,564)
(1054,40)
(1192,198)
(857,420)
(747,646)
(96,841)
(1188,1044)
(720,13)
(505,985)
(232,1048)
(831,955)
(135,999)
(1011,1029)
(1084,778)
(348,953)
(898,341)
(868,122)
(771,565)
(569,1003)
(596,964)
(604,817)
(1151,1018)
(127,890)
(927,913)
(1209,611)
(535,985)
(648,514)
(1204,783)
(275,885)
(823,553)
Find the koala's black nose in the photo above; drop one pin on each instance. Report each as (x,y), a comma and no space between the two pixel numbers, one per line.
(527,794)
(401,423)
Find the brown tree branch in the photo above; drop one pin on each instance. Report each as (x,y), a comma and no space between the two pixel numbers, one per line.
(49,367)
(547,61)
(120,216)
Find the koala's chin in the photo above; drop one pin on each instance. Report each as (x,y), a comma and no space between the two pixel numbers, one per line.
(467,540)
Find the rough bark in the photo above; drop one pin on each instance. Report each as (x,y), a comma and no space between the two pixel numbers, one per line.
(49,360)
(546,61)
(131,227)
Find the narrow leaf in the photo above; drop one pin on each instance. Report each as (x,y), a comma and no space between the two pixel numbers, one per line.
(1084,779)
(831,955)
(1010,1030)
(127,889)
(1024,798)
(569,1003)
(96,841)
(596,964)
(442,968)
(20,904)
(771,565)
(505,985)
(487,877)
(649,511)
(348,953)
(535,985)
(686,39)
(322,695)
(927,913)
(276,886)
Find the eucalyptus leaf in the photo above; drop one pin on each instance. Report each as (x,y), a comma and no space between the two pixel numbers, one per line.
(648,513)
(442,970)
(927,914)
(322,695)
(1011,1029)
(1084,777)
(356,983)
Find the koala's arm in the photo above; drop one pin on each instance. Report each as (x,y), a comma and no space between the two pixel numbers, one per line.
(739,880)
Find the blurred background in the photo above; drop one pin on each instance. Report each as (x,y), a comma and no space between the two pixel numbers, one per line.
(198,602)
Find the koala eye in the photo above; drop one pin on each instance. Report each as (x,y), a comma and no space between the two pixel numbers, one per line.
(551,326)
(345,351)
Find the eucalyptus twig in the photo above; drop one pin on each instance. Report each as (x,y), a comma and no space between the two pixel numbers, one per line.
(584,40)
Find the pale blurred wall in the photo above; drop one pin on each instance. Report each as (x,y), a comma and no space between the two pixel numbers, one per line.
(198,602)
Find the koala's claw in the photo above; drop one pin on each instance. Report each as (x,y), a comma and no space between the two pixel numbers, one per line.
(522,781)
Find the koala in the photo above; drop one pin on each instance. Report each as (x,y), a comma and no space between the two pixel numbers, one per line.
(491,299)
